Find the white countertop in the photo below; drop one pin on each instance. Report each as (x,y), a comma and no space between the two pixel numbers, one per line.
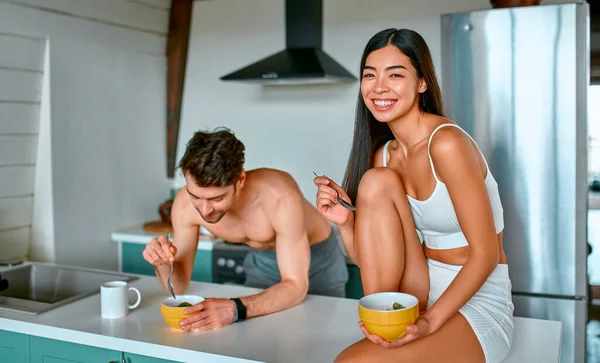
(137,234)
(315,331)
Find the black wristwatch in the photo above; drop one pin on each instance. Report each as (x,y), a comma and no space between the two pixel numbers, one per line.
(240,310)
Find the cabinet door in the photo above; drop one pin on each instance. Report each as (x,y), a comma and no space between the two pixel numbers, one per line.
(133,262)
(42,350)
(202,270)
(14,347)
(354,289)
(134,358)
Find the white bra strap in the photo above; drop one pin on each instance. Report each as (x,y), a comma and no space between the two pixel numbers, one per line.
(466,133)
(385,153)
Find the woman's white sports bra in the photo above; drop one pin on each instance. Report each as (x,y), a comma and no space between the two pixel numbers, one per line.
(435,218)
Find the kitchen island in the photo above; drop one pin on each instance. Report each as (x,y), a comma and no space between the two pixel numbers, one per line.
(314,331)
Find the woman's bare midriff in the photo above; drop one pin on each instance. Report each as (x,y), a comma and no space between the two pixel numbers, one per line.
(459,256)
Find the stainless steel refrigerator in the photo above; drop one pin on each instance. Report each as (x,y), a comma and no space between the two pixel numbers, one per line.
(516,79)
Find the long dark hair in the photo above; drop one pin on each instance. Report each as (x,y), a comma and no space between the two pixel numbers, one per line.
(370,134)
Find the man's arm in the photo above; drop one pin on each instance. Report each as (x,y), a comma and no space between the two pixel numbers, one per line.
(185,241)
(293,257)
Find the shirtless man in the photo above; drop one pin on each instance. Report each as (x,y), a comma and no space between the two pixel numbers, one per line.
(295,251)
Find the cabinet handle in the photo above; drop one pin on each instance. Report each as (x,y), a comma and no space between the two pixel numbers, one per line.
(124,361)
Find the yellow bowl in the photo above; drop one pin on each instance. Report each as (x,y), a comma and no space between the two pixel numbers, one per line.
(377,313)
(173,314)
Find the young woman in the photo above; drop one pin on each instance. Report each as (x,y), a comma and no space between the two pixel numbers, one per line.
(429,218)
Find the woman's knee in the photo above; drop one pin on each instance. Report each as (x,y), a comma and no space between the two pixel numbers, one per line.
(350,355)
(343,358)
(379,182)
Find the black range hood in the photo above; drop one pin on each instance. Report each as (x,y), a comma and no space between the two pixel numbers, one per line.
(302,61)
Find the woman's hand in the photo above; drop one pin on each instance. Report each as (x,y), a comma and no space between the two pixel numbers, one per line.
(327,202)
(419,329)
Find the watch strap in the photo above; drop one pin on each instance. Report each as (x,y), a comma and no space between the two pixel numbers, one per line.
(240,311)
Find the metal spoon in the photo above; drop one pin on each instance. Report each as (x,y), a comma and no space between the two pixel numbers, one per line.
(340,200)
(169,285)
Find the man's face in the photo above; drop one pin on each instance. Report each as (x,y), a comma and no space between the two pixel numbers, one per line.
(211,202)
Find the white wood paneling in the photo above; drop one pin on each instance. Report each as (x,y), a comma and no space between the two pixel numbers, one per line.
(21,53)
(15,212)
(19,118)
(20,86)
(27,21)
(161,4)
(116,12)
(17,149)
(21,75)
(14,243)
(16,180)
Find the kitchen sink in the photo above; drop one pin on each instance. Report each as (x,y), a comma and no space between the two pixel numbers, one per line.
(35,288)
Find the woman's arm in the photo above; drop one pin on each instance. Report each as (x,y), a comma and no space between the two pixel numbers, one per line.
(456,161)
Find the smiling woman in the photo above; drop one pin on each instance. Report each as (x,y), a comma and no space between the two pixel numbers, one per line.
(373,100)
(415,175)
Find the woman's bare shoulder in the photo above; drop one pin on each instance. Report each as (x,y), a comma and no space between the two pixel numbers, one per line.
(393,145)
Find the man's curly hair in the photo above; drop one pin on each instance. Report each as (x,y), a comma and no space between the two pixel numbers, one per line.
(213,159)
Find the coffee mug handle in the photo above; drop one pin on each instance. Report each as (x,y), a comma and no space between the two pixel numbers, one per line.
(139,298)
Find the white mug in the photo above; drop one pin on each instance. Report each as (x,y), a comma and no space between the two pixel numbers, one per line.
(114,301)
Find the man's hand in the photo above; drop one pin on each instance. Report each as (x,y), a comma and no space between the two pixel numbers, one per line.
(210,314)
(158,252)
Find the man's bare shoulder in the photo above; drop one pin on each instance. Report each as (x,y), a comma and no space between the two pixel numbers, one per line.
(272,179)
(183,212)
(272,186)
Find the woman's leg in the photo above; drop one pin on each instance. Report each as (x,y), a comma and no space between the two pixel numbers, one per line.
(389,251)
(455,341)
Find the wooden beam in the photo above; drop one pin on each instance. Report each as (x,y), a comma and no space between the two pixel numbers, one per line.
(177,50)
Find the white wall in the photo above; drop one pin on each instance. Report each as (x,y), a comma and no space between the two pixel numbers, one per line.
(42,243)
(109,152)
(302,128)
(106,122)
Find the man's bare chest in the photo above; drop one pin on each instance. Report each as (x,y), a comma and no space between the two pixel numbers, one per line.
(257,232)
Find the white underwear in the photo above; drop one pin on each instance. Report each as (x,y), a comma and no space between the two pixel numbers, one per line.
(489,311)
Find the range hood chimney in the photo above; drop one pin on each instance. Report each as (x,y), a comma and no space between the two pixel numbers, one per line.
(302,61)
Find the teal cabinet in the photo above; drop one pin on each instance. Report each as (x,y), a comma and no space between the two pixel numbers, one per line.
(134,358)
(133,262)
(43,350)
(202,270)
(14,347)
(22,348)
(354,289)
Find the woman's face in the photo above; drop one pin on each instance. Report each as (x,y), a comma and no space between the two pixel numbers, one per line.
(390,86)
